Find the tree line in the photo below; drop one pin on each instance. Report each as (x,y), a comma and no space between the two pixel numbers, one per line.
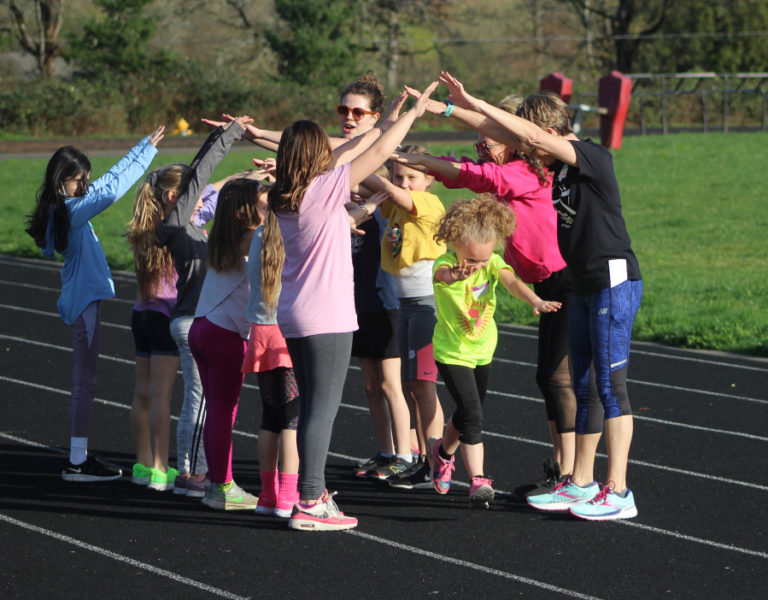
(116,66)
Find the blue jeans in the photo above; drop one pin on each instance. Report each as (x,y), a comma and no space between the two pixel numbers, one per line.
(600,330)
(189,432)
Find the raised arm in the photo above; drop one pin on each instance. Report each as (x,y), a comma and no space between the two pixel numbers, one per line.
(514,131)
(447,169)
(379,152)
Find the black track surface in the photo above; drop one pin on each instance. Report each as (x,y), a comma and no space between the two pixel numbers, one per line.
(697,465)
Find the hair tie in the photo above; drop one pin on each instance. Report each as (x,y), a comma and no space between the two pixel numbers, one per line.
(152,180)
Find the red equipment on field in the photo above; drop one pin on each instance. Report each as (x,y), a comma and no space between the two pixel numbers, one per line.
(613,96)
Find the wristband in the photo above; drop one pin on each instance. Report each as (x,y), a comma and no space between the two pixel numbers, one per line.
(448,108)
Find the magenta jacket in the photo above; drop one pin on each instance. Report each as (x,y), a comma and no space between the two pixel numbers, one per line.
(532,250)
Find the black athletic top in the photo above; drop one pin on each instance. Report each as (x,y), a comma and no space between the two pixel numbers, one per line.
(590,227)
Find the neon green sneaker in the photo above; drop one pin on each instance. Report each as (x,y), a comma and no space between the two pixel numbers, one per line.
(162,481)
(140,475)
(229,496)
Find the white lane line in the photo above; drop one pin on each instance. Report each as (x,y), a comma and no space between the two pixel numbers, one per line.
(649,528)
(637,417)
(469,565)
(667,353)
(48,313)
(690,538)
(504,329)
(123,559)
(666,386)
(490,434)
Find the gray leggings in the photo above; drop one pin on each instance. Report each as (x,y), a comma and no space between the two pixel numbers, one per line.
(320,363)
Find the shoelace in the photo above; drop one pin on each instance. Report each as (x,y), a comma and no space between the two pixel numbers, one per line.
(601,495)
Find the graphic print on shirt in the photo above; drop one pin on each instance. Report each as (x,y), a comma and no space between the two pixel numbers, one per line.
(474,321)
(564,204)
(395,239)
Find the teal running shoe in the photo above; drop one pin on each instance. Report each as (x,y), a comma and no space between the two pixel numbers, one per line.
(564,496)
(607,506)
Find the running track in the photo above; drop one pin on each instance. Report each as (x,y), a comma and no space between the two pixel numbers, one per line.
(697,465)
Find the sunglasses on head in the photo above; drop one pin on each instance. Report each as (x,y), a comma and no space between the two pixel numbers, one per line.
(483,147)
(357,113)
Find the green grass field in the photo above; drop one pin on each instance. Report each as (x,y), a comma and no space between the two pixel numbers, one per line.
(692,209)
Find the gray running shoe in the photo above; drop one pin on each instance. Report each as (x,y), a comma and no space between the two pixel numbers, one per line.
(232,498)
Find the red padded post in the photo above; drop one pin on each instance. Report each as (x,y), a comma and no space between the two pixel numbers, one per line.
(614,93)
(558,83)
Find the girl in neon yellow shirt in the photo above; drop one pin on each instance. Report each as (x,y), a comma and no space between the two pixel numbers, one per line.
(464,341)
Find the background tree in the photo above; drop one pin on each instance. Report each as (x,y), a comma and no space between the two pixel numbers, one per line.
(314,41)
(42,44)
(118,43)
(621,23)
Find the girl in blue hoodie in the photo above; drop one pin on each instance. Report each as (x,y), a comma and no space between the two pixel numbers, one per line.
(61,222)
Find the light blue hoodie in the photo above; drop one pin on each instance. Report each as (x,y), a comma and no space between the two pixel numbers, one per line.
(85,276)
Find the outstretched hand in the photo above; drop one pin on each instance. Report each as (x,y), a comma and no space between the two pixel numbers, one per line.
(410,159)
(265,169)
(456,92)
(393,111)
(433,106)
(421,103)
(546,306)
(157,135)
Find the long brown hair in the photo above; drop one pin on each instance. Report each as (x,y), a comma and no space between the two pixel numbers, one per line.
(152,262)
(235,214)
(303,154)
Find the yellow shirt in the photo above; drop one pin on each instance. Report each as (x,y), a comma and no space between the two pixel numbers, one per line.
(409,236)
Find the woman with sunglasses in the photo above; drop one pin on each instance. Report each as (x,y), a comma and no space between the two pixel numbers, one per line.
(61,222)
(377,306)
(521,183)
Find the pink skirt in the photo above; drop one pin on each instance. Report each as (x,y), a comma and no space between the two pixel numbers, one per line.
(266,350)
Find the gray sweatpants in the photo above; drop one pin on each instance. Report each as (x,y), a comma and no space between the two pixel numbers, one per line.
(320,363)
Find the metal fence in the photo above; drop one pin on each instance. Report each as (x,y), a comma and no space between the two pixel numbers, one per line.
(695,101)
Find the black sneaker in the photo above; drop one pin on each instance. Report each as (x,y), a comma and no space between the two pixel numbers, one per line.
(372,463)
(395,466)
(93,469)
(419,476)
(548,482)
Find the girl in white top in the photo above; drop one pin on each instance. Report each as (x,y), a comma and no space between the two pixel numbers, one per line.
(219,332)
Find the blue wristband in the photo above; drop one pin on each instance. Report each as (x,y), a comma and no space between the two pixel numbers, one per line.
(448,108)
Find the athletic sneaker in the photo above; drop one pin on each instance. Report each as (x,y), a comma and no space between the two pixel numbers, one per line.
(418,476)
(197,489)
(229,496)
(266,506)
(323,516)
(160,481)
(442,470)
(480,492)
(93,469)
(606,506)
(395,466)
(284,507)
(564,496)
(140,474)
(372,463)
(180,485)
(547,483)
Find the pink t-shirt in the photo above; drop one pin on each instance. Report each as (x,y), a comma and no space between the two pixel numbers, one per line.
(532,250)
(317,293)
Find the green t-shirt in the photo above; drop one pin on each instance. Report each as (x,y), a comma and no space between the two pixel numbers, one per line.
(466,333)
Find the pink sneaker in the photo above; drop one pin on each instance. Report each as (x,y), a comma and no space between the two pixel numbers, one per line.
(480,492)
(442,471)
(322,516)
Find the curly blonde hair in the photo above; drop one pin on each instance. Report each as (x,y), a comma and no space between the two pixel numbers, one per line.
(477,221)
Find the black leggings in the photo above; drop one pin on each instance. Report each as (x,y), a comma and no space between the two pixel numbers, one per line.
(552,371)
(467,387)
